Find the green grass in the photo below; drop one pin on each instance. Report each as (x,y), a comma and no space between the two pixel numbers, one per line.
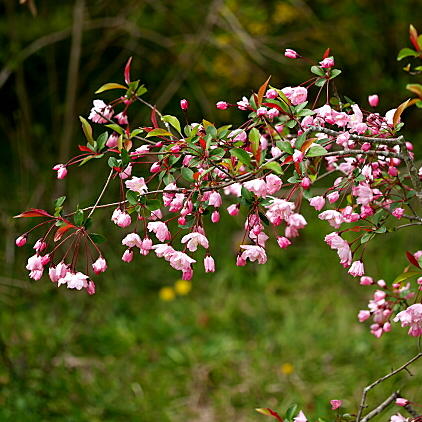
(214,355)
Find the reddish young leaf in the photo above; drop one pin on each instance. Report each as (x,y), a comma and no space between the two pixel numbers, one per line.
(202,143)
(412,259)
(84,148)
(262,90)
(154,118)
(61,231)
(271,105)
(269,412)
(127,71)
(326,53)
(413,35)
(33,212)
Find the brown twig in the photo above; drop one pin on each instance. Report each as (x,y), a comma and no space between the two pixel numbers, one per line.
(380,380)
(381,407)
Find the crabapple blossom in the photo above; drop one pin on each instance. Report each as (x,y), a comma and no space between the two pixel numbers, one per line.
(222,105)
(21,241)
(184,104)
(373,100)
(194,239)
(61,171)
(100,265)
(209,264)
(327,63)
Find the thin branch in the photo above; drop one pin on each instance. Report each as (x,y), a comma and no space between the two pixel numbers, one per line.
(381,407)
(101,194)
(380,380)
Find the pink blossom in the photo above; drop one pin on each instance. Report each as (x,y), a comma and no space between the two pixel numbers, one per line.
(257,186)
(45,260)
(291,54)
(300,417)
(333,197)
(184,104)
(373,100)
(271,94)
(357,269)
(215,217)
(317,202)
(160,229)
(389,116)
(297,221)
(335,404)
(222,105)
(155,168)
(215,199)
(279,210)
(305,183)
(254,253)
(400,401)
(283,242)
(90,288)
(131,240)
(146,246)
(333,217)
(101,112)
(76,281)
(181,261)
(209,264)
(398,213)
(276,152)
(273,183)
(398,418)
(299,95)
(40,245)
(137,184)
(262,111)
(121,218)
(58,272)
(127,255)
(124,174)
(327,63)
(363,315)
(194,239)
(61,171)
(364,194)
(233,209)
(112,140)
(411,317)
(366,281)
(298,156)
(100,265)
(21,241)
(163,250)
(240,136)
(243,104)
(121,118)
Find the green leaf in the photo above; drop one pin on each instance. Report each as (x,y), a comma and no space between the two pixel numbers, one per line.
(125,157)
(153,204)
(113,162)
(305,112)
(187,174)
(59,202)
(254,137)
(101,141)
(141,90)
(334,73)
(316,70)
(116,128)
(405,276)
(217,153)
(173,121)
(135,132)
(247,195)
(241,155)
(274,167)
(78,217)
(366,237)
(300,141)
(132,197)
(406,52)
(90,157)
(158,132)
(316,151)
(87,129)
(291,411)
(97,238)
(320,82)
(285,146)
(108,86)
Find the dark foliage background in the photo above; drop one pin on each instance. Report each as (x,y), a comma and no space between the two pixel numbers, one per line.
(242,338)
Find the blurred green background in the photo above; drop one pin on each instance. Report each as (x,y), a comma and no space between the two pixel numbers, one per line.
(243,337)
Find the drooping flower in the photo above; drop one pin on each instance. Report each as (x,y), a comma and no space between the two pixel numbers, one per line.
(101,112)
(357,269)
(194,239)
(335,404)
(100,265)
(373,100)
(209,264)
(291,54)
(137,184)
(131,240)
(254,253)
(317,202)
(61,171)
(411,317)
(160,229)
